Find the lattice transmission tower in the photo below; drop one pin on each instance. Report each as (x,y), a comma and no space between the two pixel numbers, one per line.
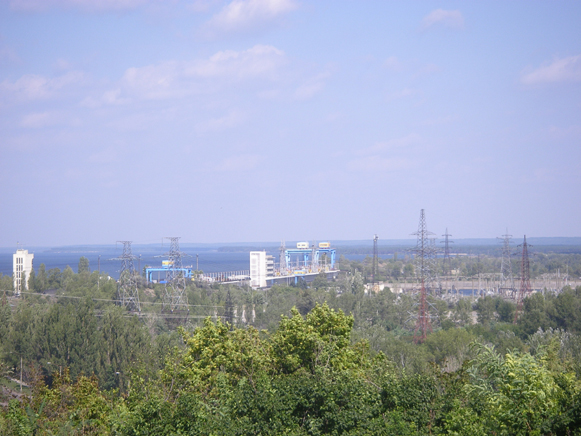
(127,292)
(375,266)
(525,280)
(447,262)
(175,298)
(425,263)
(282,259)
(506,278)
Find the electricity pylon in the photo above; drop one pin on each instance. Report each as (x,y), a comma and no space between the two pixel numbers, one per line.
(175,298)
(127,292)
(424,258)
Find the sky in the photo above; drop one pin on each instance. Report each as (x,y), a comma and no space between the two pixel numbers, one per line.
(270,120)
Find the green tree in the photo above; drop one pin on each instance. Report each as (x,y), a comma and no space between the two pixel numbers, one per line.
(485,308)
(41,279)
(32,283)
(518,393)
(568,309)
(463,312)
(320,281)
(83,266)
(54,278)
(5,315)
(23,282)
(320,339)
(6,283)
(505,310)
(538,311)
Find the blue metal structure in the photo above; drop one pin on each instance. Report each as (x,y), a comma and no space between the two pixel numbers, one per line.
(304,252)
(188,273)
(308,254)
(330,251)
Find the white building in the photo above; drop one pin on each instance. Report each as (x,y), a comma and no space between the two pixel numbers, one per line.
(261,267)
(21,263)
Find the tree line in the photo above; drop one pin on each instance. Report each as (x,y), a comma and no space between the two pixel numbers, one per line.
(338,361)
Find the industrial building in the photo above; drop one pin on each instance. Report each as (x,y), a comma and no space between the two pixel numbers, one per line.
(301,263)
(261,268)
(21,264)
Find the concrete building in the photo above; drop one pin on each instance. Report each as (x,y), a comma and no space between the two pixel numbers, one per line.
(261,268)
(21,263)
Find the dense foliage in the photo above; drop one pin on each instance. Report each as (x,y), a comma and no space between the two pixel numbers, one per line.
(338,361)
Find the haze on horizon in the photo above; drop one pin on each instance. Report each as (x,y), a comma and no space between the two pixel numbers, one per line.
(269,120)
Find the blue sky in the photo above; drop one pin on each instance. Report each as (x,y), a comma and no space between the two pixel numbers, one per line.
(268,120)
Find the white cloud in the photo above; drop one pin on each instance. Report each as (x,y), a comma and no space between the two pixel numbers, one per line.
(84,5)
(560,70)
(113,97)
(258,61)
(248,14)
(451,19)
(32,86)
(179,79)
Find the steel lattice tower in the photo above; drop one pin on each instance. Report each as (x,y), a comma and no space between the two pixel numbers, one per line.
(127,287)
(506,279)
(282,259)
(375,266)
(424,258)
(447,264)
(175,297)
(525,280)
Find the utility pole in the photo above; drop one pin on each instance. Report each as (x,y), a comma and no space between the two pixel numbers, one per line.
(375,266)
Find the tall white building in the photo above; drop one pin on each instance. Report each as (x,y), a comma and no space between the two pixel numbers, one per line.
(21,263)
(261,267)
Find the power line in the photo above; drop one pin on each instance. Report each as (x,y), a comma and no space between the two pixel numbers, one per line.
(109,300)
